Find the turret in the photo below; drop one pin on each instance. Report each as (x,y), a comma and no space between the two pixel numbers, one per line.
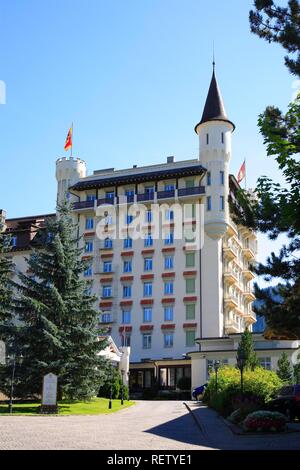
(68,172)
(214,131)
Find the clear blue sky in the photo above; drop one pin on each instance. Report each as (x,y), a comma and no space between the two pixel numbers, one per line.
(133,76)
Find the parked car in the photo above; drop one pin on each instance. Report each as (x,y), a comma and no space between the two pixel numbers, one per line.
(287,401)
(198,392)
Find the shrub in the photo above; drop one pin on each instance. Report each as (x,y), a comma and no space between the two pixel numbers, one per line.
(104,390)
(265,421)
(184,383)
(260,385)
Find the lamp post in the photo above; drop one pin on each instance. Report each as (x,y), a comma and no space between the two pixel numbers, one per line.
(241,361)
(110,393)
(216,368)
(122,388)
(14,357)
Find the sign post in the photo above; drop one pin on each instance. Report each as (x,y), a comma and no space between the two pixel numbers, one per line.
(49,397)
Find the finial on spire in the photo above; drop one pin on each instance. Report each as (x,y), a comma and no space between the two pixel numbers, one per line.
(214,63)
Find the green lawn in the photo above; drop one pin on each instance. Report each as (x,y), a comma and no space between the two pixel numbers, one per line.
(94,407)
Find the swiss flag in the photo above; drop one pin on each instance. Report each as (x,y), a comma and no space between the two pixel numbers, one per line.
(242,173)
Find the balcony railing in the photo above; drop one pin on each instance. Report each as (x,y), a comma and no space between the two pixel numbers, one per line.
(83,205)
(191,191)
(106,200)
(166,194)
(146,196)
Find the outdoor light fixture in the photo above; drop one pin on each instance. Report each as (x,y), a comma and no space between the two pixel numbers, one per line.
(110,395)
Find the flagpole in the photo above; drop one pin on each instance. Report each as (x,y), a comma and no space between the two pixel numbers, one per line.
(245,175)
(72,141)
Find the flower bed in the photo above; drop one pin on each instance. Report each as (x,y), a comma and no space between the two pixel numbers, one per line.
(265,421)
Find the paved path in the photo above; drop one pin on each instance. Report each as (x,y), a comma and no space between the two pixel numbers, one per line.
(161,425)
(217,435)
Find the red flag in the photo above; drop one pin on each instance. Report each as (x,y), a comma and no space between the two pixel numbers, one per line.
(242,173)
(68,144)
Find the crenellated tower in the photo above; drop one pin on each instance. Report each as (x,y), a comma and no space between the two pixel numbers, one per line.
(68,172)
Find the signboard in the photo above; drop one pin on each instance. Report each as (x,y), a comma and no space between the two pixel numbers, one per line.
(49,390)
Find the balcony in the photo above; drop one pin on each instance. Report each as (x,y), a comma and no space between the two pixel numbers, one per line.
(195,191)
(231,302)
(231,326)
(145,196)
(232,229)
(170,194)
(106,200)
(81,205)
(249,275)
(230,278)
(248,253)
(250,317)
(229,252)
(249,296)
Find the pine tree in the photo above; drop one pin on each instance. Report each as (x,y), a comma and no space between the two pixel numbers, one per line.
(59,331)
(285,370)
(281,25)
(296,370)
(6,272)
(246,350)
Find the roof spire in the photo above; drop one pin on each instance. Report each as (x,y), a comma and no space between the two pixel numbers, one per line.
(214,63)
(214,109)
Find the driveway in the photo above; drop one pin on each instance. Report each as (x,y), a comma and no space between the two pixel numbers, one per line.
(149,425)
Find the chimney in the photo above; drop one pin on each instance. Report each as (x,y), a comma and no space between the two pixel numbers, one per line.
(170,159)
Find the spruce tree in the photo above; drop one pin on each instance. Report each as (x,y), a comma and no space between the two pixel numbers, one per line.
(6,272)
(296,371)
(246,350)
(285,370)
(60,332)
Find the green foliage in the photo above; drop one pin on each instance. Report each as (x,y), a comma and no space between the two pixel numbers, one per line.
(246,350)
(113,380)
(265,421)
(59,325)
(6,272)
(285,370)
(260,386)
(184,383)
(281,25)
(297,371)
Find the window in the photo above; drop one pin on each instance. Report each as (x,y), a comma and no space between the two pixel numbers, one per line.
(89,223)
(168,314)
(127,267)
(147,289)
(208,178)
(169,215)
(148,264)
(106,318)
(109,194)
(149,189)
(190,183)
(106,291)
(190,286)
(221,177)
(128,219)
(13,240)
(126,291)
(222,203)
(265,362)
(148,216)
(129,192)
(147,315)
(88,272)
(90,197)
(89,246)
(190,260)
(147,341)
(126,316)
(208,203)
(107,267)
(169,187)
(169,287)
(190,311)
(207,139)
(169,240)
(168,340)
(148,240)
(125,340)
(222,137)
(169,262)
(108,219)
(190,337)
(127,243)
(108,243)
